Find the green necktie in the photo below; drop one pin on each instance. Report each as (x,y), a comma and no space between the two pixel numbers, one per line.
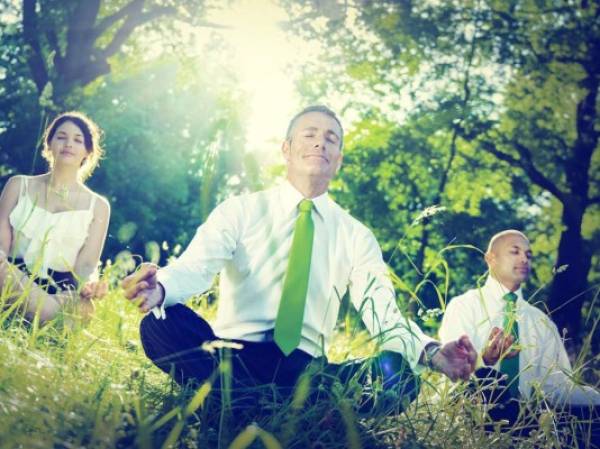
(288,324)
(510,366)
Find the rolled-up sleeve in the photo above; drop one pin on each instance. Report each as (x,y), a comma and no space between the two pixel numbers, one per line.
(372,294)
(213,245)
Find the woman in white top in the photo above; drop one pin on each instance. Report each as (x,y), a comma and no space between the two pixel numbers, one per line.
(53,227)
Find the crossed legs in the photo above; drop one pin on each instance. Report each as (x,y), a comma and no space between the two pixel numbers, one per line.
(23,292)
(176,344)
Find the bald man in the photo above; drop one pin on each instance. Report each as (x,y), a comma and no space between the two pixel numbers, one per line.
(495,316)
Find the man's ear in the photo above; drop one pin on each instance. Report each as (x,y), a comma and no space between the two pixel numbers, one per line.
(285,149)
(339,163)
(490,258)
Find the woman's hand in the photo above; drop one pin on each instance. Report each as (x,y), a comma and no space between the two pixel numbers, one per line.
(93,290)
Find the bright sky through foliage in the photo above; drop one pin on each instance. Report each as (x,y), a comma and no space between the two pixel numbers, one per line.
(267,62)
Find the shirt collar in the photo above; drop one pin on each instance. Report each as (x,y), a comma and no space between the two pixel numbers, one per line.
(291,197)
(496,290)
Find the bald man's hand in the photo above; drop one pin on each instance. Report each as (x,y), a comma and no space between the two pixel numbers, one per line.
(498,346)
(143,288)
(456,359)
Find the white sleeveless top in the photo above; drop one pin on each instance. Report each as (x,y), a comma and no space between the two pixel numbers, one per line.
(48,240)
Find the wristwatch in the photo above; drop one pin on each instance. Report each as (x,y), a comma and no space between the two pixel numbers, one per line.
(429,353)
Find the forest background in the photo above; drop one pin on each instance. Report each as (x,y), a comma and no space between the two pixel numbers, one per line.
(463,118)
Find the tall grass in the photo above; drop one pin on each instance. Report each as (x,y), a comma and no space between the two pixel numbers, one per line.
(90,386)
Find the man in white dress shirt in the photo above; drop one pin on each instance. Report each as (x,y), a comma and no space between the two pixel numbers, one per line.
(247,239)
(541,362)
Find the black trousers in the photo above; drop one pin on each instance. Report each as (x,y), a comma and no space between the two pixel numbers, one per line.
(582,422)
(181,345)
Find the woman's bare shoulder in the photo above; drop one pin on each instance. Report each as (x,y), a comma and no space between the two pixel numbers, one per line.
(101,204)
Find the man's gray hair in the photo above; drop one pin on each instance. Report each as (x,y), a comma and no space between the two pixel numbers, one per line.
(314,108)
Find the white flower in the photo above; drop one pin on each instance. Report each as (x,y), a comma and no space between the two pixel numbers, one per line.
(561,269)
(428,212)
(45,99)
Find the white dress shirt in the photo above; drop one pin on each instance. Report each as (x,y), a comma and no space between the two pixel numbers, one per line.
(247,240)
(543,361)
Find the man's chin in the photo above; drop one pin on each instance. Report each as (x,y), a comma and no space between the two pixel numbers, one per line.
(316,166)
(522,277)
(315,172)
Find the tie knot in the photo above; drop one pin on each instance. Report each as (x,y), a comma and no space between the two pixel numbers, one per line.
(510,297)
(305,206)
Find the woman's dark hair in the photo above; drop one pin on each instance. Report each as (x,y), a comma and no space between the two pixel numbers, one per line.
(91,140)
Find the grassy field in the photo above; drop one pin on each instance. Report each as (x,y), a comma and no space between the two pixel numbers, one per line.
(92,387)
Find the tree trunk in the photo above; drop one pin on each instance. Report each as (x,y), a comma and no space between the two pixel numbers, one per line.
(566,293)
